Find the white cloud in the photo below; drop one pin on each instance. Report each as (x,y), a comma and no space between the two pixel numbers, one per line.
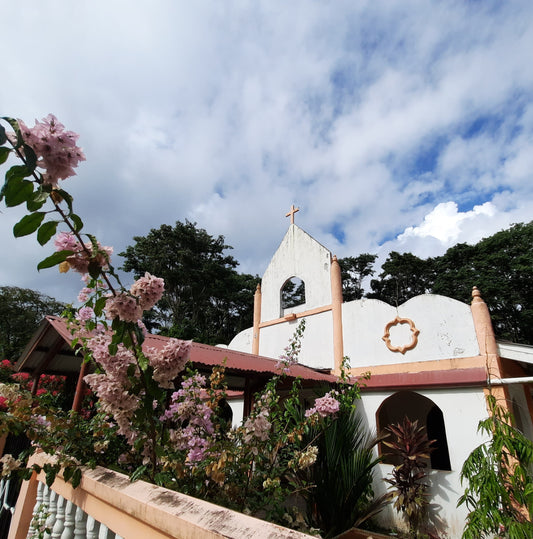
(445,222)
(227,113)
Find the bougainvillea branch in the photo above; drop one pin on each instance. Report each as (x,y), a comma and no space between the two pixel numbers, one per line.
(155,418)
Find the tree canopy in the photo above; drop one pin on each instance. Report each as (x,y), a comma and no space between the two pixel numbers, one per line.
(208,300)
(205,298)
(353,270)
(21,311)
(501,266)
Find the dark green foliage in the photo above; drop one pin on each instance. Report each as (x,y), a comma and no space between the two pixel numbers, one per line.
(21,311)
(205,298)
(402,277)
(498,473)
(342,474)
(353,270)
(501,266)
(408,482)
(292,293)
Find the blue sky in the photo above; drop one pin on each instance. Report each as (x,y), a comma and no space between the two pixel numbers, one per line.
(392,125)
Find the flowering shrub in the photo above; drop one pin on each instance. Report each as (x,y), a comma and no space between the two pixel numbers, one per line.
(325,406)
(155,418)
(53,149)
(51,387)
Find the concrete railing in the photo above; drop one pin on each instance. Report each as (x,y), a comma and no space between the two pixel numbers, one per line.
(108,505)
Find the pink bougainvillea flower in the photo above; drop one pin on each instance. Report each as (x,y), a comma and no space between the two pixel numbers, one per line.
(66,241)
(169,361)
(324,406)
(80,260)
(149,290)
(56,149)
(124,307)
(84,314)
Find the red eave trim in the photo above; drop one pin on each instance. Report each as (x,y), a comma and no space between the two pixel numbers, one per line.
(429,379)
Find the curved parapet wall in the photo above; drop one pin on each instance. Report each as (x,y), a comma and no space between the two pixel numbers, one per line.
(424,328)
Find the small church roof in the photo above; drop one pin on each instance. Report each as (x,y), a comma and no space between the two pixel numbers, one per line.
(49,351)
(515,351)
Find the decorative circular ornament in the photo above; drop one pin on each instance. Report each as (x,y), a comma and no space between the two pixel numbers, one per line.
(414,335)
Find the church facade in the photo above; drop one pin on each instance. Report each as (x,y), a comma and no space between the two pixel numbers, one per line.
(431,359)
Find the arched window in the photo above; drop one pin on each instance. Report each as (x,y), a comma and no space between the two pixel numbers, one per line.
(427,413)
(292,294)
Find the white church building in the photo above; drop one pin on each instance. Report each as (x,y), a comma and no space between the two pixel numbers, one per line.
(431,358)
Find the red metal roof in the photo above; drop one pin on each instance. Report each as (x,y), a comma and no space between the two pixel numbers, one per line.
(209,356)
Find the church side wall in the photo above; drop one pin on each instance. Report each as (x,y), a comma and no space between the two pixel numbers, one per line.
(445,325)
(317,348)
(462,409)
(446,331)
(242,341)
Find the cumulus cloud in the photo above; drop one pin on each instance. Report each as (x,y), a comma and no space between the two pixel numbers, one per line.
(445,222)
(392,125)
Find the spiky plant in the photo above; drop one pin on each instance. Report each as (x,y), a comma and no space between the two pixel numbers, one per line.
(342,474)
(409,442)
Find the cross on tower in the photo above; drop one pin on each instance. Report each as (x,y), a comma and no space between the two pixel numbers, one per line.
(292,212)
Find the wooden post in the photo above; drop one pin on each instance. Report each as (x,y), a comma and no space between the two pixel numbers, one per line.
(80,386)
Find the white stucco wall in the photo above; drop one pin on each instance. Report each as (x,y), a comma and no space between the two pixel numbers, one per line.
(242,341)
(317,342)
(446,330)
(462,409)
(298,255)
(237,407)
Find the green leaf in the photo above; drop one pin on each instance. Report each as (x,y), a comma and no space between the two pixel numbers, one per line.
(99,306)
(28,224)
(77,222)
(94,269)
(3,137)
(94,242)
(29,157)
(37,200)
(50,472)
(143,361)
(76,478)
(15,125)
(131,370)
(17,191)
(67,473)
(138,473)
(18,172)
(4,153)
(66,197)
(26,474)
(46,231)
(53,260)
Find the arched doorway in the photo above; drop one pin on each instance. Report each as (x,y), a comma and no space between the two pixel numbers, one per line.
(416,407)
